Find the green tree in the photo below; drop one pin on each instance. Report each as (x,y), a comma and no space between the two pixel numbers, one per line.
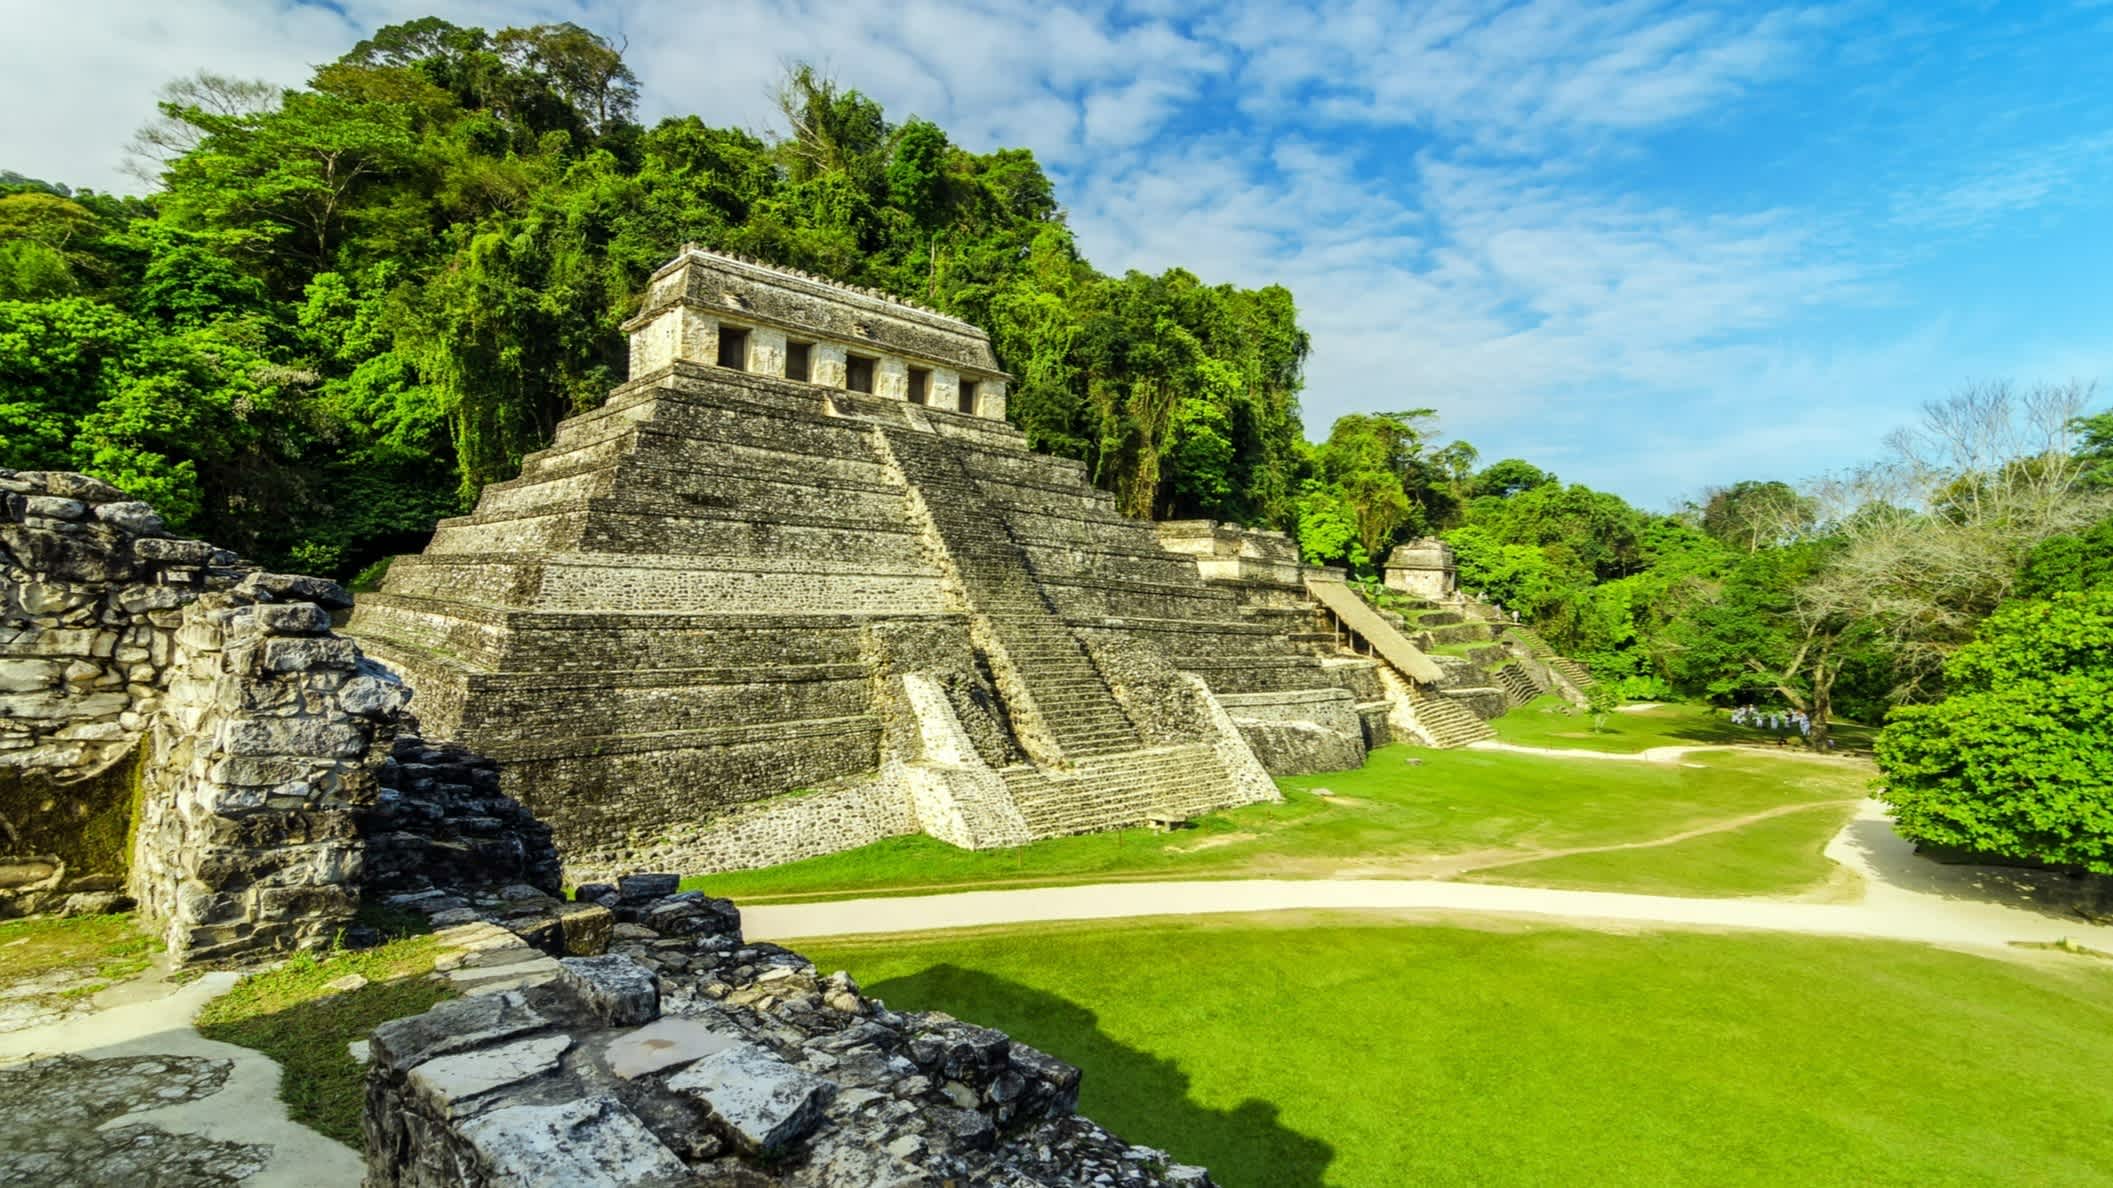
(2017,760)
(1750,515)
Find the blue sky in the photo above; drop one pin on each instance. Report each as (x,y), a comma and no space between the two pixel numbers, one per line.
(1650,246)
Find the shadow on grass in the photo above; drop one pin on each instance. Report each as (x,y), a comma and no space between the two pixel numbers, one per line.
(1139,1096)
(1894,862)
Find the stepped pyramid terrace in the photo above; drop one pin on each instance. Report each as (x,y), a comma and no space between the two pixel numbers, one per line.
(798,586)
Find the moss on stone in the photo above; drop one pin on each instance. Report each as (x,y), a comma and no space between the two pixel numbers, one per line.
(87,823)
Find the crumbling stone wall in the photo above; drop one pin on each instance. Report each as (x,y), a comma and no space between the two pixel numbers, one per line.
(686,1055)
(187,727)
(92,594)
(439,820)
(255,771)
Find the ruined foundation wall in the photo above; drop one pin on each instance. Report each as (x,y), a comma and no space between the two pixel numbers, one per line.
(668,1050)
(185,728)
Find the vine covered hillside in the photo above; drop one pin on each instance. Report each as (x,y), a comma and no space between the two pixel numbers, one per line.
(344,308)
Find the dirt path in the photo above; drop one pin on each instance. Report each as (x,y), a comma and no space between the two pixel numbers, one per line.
(132,1094)
(1452,866)
(1905,900)
(1672,754)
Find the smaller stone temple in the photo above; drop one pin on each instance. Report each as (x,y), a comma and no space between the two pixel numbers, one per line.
(1423,568)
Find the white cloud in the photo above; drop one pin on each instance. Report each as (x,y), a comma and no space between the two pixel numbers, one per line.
(2010,183)
(1439,184)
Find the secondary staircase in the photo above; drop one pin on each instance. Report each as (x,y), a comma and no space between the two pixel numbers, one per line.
(1068,691)
(1518,685)
(1448,722)
(1578,676)
(1112,791)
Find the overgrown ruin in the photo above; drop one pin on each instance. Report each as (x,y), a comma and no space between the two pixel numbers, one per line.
(795,588)
(798,586)
(186,731)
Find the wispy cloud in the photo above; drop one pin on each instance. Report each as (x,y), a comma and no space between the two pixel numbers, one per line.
(1471,199)
(2017,181)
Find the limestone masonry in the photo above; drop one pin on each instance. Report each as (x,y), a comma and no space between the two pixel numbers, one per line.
(798,586)
(666,1050)
(184,730)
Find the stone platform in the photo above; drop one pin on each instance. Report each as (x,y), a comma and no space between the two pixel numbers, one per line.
(797,586)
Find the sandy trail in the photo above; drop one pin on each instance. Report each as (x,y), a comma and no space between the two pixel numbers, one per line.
(1907,899)
(151,1018)
(1672,754)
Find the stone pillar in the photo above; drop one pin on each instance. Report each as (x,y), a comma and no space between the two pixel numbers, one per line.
(678,333)
(946,388)
(990,399)
(247,839)
(827,363)
(891,378)
(766,351)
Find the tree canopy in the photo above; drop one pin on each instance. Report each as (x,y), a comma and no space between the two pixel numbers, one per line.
(347,306)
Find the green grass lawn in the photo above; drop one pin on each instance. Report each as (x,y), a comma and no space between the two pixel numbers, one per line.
(1344,1050)
(1775,856)
(1553,722)
(96,950)
(1404,809)
(289,1013)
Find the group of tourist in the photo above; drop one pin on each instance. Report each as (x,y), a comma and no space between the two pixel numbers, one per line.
(1776,722)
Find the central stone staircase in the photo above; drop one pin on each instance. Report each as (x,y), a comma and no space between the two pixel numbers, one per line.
(1066,691)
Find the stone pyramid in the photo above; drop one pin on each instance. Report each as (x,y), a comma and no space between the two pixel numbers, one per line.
(798,586)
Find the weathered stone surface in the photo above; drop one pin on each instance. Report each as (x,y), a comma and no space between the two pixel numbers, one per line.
(132,516)
(455,1025)
(137,670)
(638,888)
(56,1129)
(764,1103)
(760,1071)
(452,1080)
(617,989)
(595,1143)
(666,1043)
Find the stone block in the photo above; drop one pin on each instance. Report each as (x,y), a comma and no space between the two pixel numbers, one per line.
(293,618)
(586,928)
(317,737)
(643,888)
(665,1043)
(69,485)
(301,655)
(591,1143)
(52,507)
(291,587)
(449,1082)
(764,1103)
(374,695)
(613,988)
(178,552)
(453,1026)
(130,515)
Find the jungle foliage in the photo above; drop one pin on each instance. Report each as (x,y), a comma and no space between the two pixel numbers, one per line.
(346,307)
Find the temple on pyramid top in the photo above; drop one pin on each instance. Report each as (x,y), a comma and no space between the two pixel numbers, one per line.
(704,307)
(797,585)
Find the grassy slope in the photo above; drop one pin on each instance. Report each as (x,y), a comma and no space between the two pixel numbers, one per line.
(1552,722)
(98,950)
(1351,1052)
(1777,856)
(1385,819)
(287,1013)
